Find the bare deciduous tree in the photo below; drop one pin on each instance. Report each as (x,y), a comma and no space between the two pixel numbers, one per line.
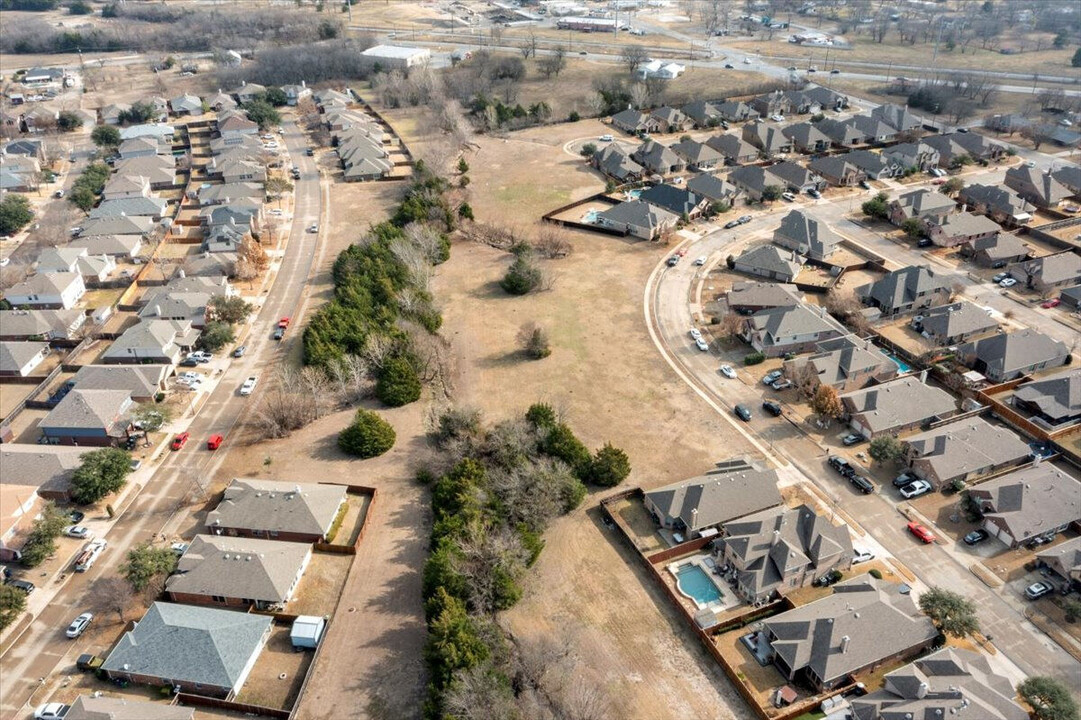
(113,594)
(633,56)
(552,242)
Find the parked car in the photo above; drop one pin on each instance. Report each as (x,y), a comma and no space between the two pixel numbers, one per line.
(914,490)
(729,66)
(728,372)
(700,261)
(924,243)
(249,386)
(51,711)
(76,516)
(731,224)
(744,219)
(861,483)
(180,440)
(25,585)
(696,333)
(937,172)
(835,71)
(88,661)
(1052,303)
(790,197)
(310,152)
(79,625)
(1037,590)
(214,442)
(998,277)
(782,384)
(179,548)
(742,413)
(865,185)
(828,579)
(772,376)
(904,479)
(701,344)
(772,408)
(59,193)
(862,556)
(673,261)
(190,376)
(313,228)
(841,465)
(606,138)
(976,537)
(78,531)
(239,352)
(189,362)
(1007,282)
(921,532)
(852,439)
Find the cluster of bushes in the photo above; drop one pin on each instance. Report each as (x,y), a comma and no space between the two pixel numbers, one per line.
(370,280)
(367,436)
(499,114)
(877,207)
(102,472)
(503,486)
(85,191)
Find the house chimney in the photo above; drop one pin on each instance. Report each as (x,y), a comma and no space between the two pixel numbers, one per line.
(844,644)
(921,691)
(923,377)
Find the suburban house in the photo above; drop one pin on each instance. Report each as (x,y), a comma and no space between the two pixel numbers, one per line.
(846,363)
(19,358)
(962,451)
(118,225)
(920,204)
(703,113)
(1069,176)
(767,137)
(638,219)
(52,291)
(635,121)
(677,200)
(736,150)
(297,512)
(1050,271)
(1006,356)
(874,165)
(247,92)
(203,651)
(872,131)
(825,98)
(897,116)
(1054,401)
(1038,501)
(826,642)
(1071,297)
(806,138)
(697,506)
(772,103)
(44,469)
(1039,188)
(154,208)
(917,155)
(841,134)
(124,185)
(90,707)
(837,170)
(750,297)
(713,188)
(783,330)
(911,288)
(295,93)
(40,324)
(795,177)
(753,180)
(949,683)
(658,158)
(806,235)
(736,111)
(88,418)
(769,261)
(957,228)
(152,341)
(110,114)
(19,505)
(238,572)
(999,250)
(953,323)
(671,120)
(1064,560)
(171,305)
(955,145)
(614,162)
(236,126)
(223,194)
(160,131)
(896,406)
(160,170)
(186,105)
(800,103)
(996,202)
(698,156)
(142,382)
(76,260)
(780,549)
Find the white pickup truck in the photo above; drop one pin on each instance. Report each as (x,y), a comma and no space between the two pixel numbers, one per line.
(89,555)
(249,386)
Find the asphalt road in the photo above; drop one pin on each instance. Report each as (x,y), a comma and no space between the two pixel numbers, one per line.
(44,649)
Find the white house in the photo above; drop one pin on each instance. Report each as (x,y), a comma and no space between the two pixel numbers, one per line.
(661,69)
(47,290)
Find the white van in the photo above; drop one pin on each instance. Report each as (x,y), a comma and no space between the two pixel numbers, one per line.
(89,555)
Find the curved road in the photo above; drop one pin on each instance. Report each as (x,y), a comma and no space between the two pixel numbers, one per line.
(43,647)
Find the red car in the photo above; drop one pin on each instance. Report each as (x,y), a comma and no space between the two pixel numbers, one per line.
(283,323)
(939,181)
(214,442)
(180,440)
(1052,303)
(921,532)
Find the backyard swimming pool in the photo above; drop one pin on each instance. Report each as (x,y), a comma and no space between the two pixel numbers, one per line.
(591,217)
(902,366)
(695,583)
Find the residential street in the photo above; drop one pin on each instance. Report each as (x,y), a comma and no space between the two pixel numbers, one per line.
(43,647)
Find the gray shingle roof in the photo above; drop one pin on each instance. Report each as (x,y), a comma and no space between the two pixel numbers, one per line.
(956,319)
(1001,246)
(1025,179)
(766,259)
(806,235)
(638,213)
(253,504)
(14,355)
(847,357)
(139,380)
(1055,269)
(195,644)
(760,294)
(965,225)
(90,409)
(1057,397)
(1008,353)
(676,200)
(920,203)
(959,448)
(25,323)
(1031,501)
(708,500)
(898,403)
(47,283)
(712,187)
(902,287)
(695,152)
(998,199)
(261,570)
(46,467)
(780,325)
(732,146)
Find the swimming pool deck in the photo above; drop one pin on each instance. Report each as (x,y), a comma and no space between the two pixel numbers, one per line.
(706,564)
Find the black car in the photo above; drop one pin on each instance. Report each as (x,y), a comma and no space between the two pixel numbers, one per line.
(835,71)
(924,242)
(24,585)
(976,537)
(851,439)
(828,579)
(861,483)
(841,465)
(731,224)
(904,479)
(279,333)
(728,66)
(742,413)
(309,152)
(76,516)
(189,362)
(865,185)
(772,408)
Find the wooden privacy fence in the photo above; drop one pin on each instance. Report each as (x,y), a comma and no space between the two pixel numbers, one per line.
(218,703)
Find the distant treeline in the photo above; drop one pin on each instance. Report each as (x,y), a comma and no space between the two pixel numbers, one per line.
(332,60)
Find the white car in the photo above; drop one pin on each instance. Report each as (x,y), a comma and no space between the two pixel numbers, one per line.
(78,531)
(696,333)
(189,383)
(728,372)
(700,261)
(190,376)
(51,711)
(914,490)
(79,625)
(249,386)
(179,548)
(862,556)
(777,118)
(746,61)
(270,145)
(1007,282)
(606,138)
(313,228)
(267,136)
(701,344)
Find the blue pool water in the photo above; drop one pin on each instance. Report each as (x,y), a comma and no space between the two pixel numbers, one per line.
(693,581)
(635,194)
(902,366)
(591,216)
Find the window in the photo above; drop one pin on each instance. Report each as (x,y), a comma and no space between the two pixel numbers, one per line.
(218,598)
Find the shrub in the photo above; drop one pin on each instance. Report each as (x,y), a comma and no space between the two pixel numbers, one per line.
(541,415)
(367,436)
(574,116)
(12,604)
(875,573)
(533,340)
(562,443)
(465,211)
(754,358)
(398,383)
(522,277)
(610,467)
(588,150)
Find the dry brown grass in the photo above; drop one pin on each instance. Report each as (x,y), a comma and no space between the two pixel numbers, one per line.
(264,685)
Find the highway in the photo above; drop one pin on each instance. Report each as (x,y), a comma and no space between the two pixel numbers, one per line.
(43,649)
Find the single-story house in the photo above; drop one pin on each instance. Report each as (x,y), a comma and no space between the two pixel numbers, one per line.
(963,450)
(1038,501)
(1054,401)
(249,91)
(846,363)
(996,202)
(126,185)
(635,121)
(806,235)
(750,297)
(142,382)
(872,131)
(769,261)
(957,228)
(118,225)
(703,113)
(40,324)
(953,323)
(19,358)
(911,288)
(736,150)
(44,469)
(638,219)
(89,707)
(896,406)
(920,204)
(88,418)
(772,103)
(794,329)
(1069,176)
(186,105)
(1064,559)
(295,93)
(172,305)
(152,341)
(1071,297)
(1050,271)
(840,133)
(736,111)
(296,512)
(200,650)
(999,250)
(837,170)
(693,507)
(1006,356)
(52,291)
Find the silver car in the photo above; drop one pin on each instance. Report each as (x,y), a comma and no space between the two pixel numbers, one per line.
(79,625)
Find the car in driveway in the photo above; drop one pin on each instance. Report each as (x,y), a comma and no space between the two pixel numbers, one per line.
(861,483)
(51,711)
(828,579)
(701,344)
(976,537)
(742,413)
(851,439)
(814,193)
(76,516)
(862,556)
(925,535)
(79,625)
(772,408)
(696,333)
(914,490)
(771,377)
(781,384)
(1037,590)
(1007,282)
(904,479)
(1052,303)
(998,277)
(25,585)
(189,362)
(728,372)
(865,185)
(249,386)
(788,196)
(78,531)
(180,440)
